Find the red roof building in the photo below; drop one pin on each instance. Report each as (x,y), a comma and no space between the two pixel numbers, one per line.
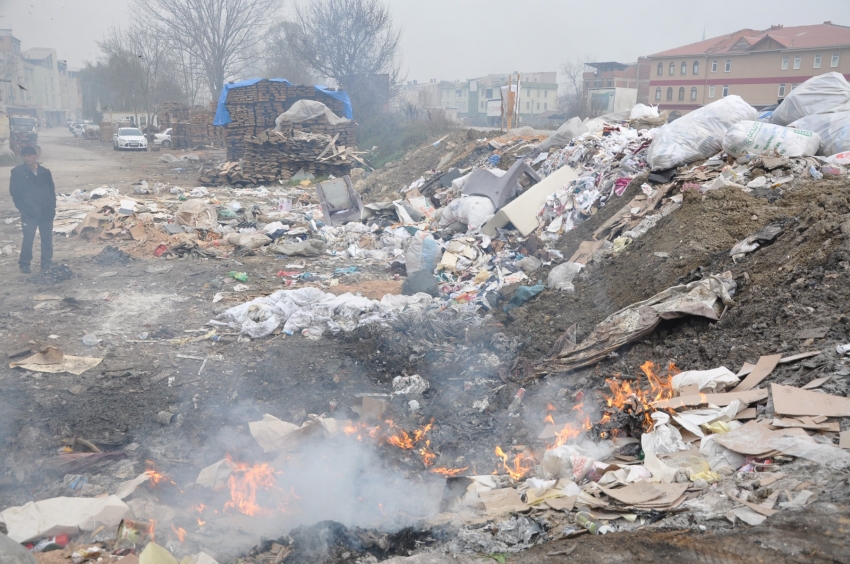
(761,66)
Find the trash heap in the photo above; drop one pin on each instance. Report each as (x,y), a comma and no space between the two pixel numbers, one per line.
(191,126)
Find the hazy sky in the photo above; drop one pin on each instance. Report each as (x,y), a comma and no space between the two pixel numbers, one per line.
(458,39)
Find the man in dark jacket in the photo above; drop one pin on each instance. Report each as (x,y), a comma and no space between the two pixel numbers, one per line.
(34,195)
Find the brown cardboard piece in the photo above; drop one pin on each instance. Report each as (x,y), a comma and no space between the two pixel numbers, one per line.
(766,511)
(748,413)
(844,439)
(795,401)
(585,251)
(747,368)
(816,383)
(504,500)
(561,503)
(639,492)
(754,438)
(764,367)
(770,479)
(720,400)
(788,422)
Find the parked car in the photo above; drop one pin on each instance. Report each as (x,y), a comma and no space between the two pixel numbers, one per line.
(163,138)
(78,129)
(129,138)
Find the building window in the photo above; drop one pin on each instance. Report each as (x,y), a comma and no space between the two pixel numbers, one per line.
(538,106)
(781,90)
(545,106)
(458,93)
(684,69)
(546,94)
(143,121)
(610,84)
(725,90)
(672,68)
(528,105)
(694,94)
(784,63)
(713,66)
(489,93)
(669,94)
(797,61)
(696,67)
(728,66)
(793,86)
(817,62)
(657,94)
(711,91)
(660,69)
(834,62)
(597,84)
(681,94)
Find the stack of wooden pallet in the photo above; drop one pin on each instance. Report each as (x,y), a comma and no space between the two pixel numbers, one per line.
(254,109)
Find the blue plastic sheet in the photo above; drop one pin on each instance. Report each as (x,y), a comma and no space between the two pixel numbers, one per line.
(522,295)
(222,116)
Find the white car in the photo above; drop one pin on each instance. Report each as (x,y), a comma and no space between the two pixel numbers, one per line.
(163,138)
(78,129)
(129,138)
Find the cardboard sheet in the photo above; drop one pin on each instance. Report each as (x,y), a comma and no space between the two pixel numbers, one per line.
(585,251)
(764,367)
(505,500)
(747,368)
(816,383)
(754,438)
(844,439)
(274,435)
(522,212)
(562,503)
(795,401)
(633,494)
(749,413)
(54,361)
(793,423)
(720,400)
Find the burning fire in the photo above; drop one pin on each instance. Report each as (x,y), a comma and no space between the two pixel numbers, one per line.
(635,399)
(245,482)
(155,477)
(180,532)
(522,464)
(389,433)
(449,472)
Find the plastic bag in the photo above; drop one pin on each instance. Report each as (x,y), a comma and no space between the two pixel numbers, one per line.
(758,138)
(833,128)
(665,438)
(841,159)
(571,129)
(641,111)
(561,277)
(821,94)
(474,211)
(699,134)
(423,253)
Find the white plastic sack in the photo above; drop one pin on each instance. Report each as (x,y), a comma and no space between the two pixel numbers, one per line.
(197,214)
(54,516)
(664,437)
(641,111)
(304,110)
(821,94)
(570,129)
(841,159)
(833,128)
(423,253)
(474,211)
(698,134)
(248,240)
(759,138)
(713,380)
(572,461)
(561,277)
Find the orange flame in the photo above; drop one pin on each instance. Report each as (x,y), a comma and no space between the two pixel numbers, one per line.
(449,472)
(180,532)
(520,468)
(624,393)
(201,523)
(244,483)
(155,477)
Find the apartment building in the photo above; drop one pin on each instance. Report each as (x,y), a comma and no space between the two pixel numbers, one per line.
(761,66)
(538,94)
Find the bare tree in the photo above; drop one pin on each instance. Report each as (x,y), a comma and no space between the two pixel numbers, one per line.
(281,61)
(574,98)
(143,55)
(218,33)
(352,42)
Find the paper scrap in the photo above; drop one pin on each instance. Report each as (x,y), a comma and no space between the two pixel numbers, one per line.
(816,383)
(844,439)
(54,361)
(636,493)
(721,400)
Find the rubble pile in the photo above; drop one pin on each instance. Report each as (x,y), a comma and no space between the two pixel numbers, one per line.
(638,329)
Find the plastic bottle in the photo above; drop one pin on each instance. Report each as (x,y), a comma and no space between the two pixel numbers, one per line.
(520,393)
(586,520)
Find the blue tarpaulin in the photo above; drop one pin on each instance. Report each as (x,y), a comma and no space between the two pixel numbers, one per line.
(222,116)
